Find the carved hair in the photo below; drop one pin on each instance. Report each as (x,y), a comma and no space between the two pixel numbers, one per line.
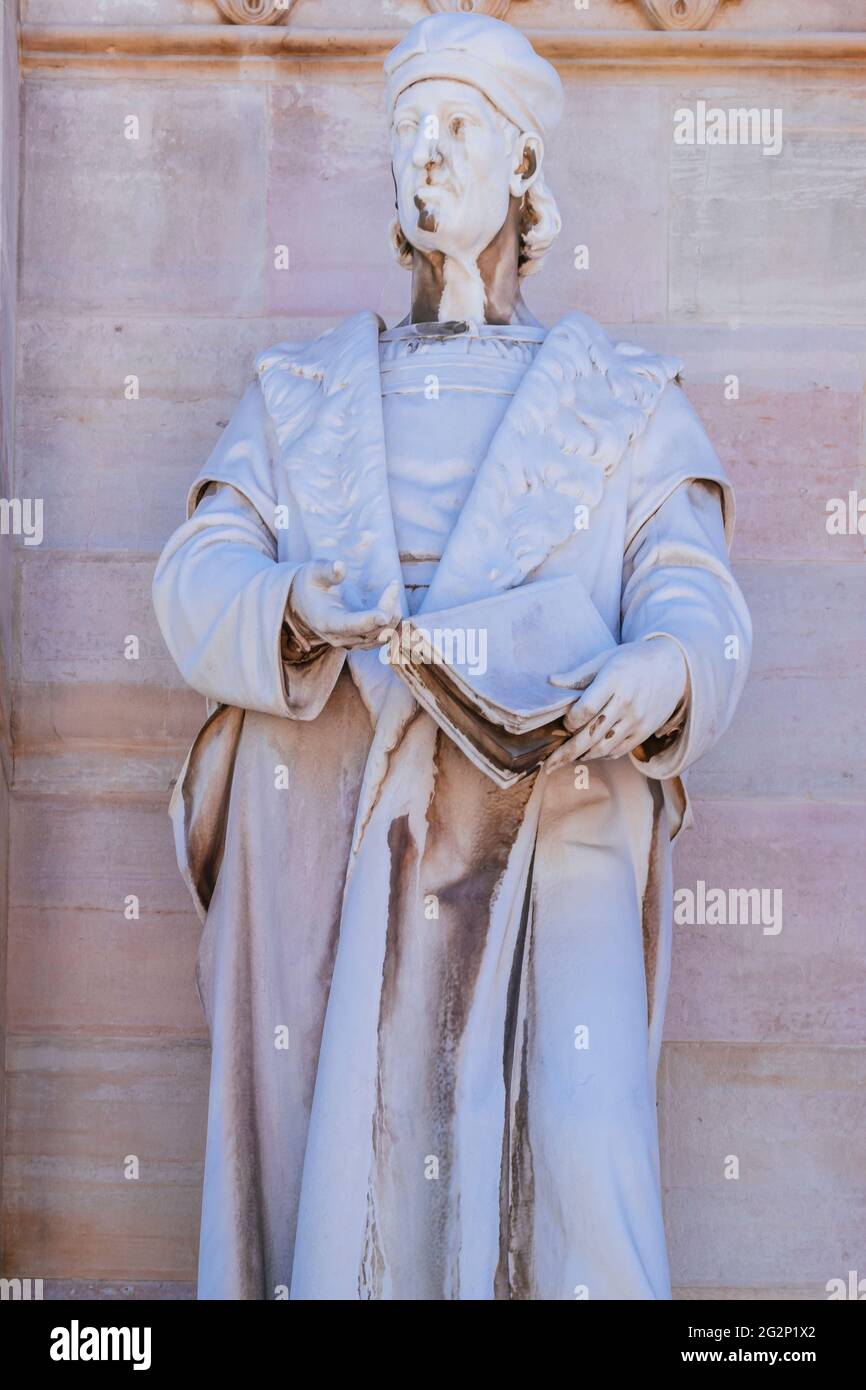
(540,223)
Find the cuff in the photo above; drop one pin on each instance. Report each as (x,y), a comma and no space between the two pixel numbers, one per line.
(299,643)
(663,748)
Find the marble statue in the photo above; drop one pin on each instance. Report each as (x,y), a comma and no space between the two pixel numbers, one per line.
(436,1003)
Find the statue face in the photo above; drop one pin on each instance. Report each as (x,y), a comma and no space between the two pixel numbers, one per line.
(454,159)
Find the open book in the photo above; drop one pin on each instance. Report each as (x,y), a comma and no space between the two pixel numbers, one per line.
(481,670)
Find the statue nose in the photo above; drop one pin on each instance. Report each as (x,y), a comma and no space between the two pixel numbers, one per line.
(428,153)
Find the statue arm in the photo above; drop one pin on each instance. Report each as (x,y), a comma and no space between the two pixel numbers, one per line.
(221,596)
(677,584)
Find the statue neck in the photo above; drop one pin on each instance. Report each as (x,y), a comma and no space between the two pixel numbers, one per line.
(486,290)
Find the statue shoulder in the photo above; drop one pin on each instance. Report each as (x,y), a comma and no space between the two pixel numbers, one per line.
(632,376)
(597,394)
(674,450)
(331,361)
(240,456)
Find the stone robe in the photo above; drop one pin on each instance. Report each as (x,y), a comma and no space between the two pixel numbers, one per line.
(466,1105)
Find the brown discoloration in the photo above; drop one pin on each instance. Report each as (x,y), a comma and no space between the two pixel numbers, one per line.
(521,1209)
(478,845)
(387,756)
(502,1279)
(426,217)
(498,267)
(653,896)
(242,1107)
(206,792)
(404,871)
(465,901)
(325,973)
(372,1269)
(428,285)
(403,875)
(256,1145)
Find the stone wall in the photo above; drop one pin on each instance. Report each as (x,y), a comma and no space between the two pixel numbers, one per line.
(152,258)
(9,146)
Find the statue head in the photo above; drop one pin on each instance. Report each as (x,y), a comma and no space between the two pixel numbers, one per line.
(470,103)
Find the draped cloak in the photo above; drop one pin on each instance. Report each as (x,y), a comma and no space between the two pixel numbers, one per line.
(436,1006)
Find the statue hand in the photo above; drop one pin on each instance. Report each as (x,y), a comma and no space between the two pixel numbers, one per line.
(315,598)
(627,700)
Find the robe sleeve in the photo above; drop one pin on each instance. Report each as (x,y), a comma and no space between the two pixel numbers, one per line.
(677,583)
(221,594)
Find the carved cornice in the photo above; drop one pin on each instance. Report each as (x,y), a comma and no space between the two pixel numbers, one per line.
(277,11)
(497,8)
(681,14)
(255,11)
(98,47)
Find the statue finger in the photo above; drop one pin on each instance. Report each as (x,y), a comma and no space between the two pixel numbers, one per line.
(587,709)
(387,600)
(587,737)
(580,676)
(327,573)
(608,743)
(359,625)
(626,745)
(562,757)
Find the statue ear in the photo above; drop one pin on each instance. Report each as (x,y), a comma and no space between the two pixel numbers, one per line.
(400,246)
(528,154)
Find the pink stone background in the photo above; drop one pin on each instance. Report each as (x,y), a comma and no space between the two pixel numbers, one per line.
(155,258)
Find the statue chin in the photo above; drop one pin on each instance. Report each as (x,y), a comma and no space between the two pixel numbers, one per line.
(428,215)
(439,224)
(428,241)
(432,236)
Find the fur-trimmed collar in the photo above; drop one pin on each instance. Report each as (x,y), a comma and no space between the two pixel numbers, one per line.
(580,405)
